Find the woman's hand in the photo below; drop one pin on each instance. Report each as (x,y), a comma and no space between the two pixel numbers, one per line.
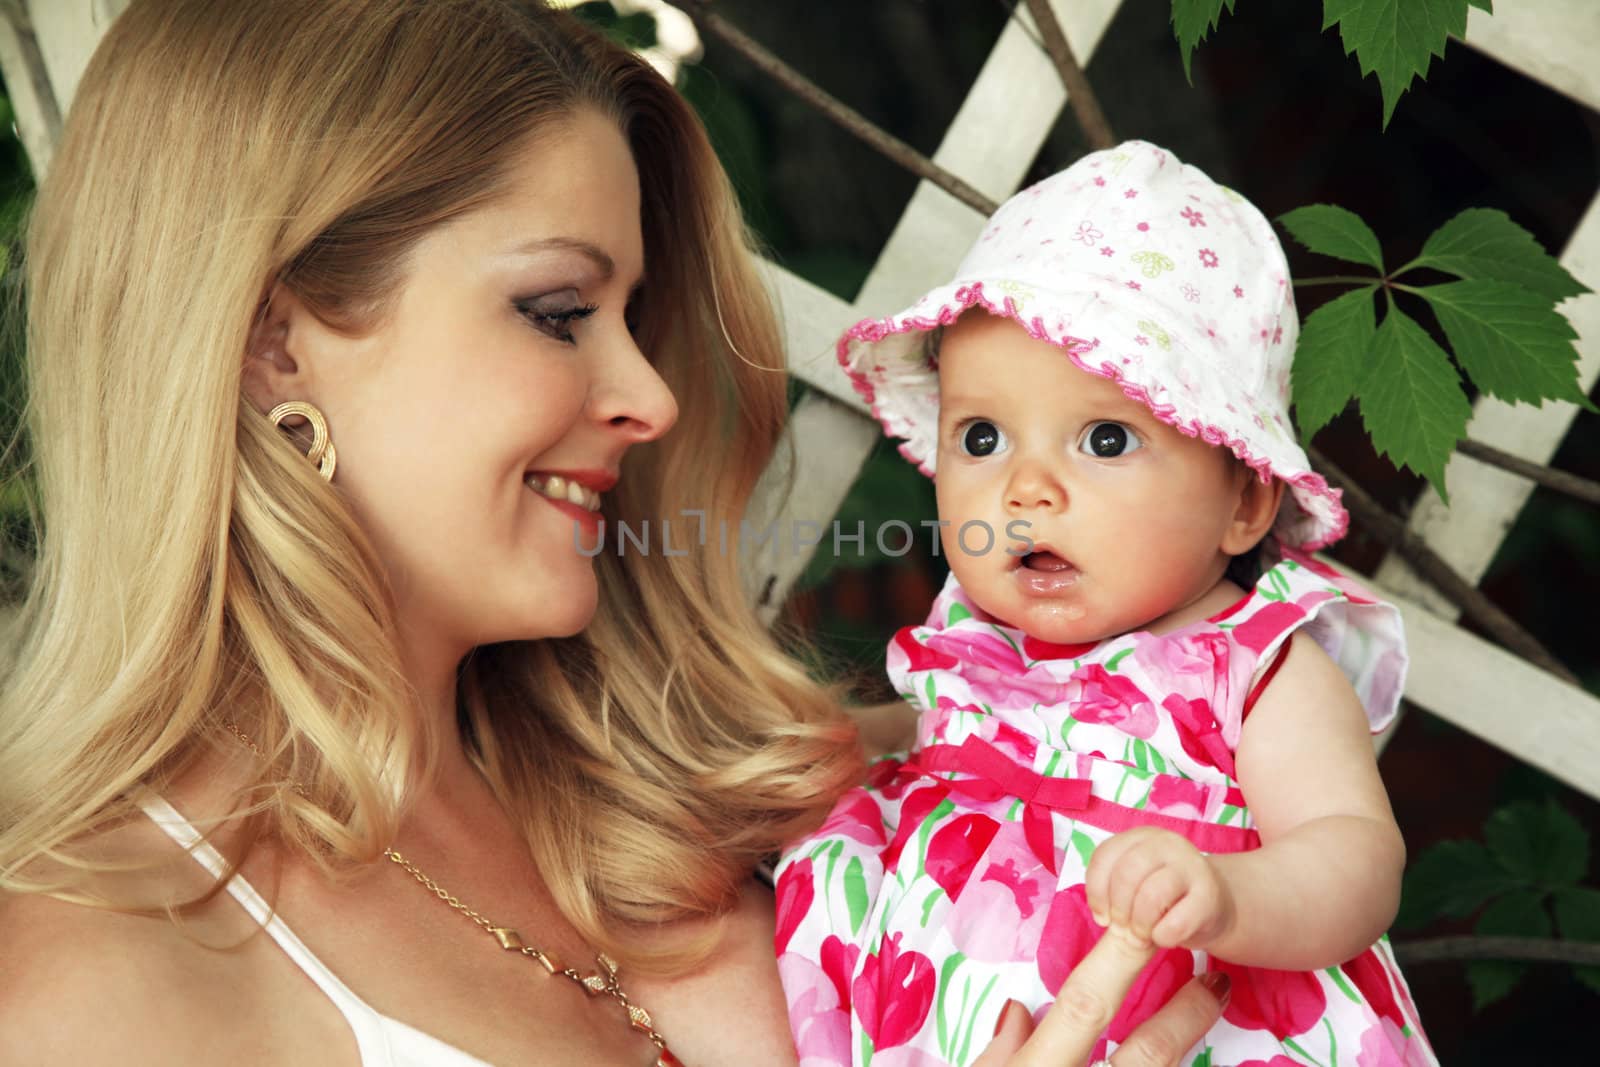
(1159,886)
(1088,1001)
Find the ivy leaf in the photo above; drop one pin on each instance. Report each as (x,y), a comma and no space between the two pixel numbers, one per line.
(1330,230)
(1411,399)
(1517,914)
(1191,21)
(1578,919)
(1541,844)
(1482,243)
(1483,5)
(1510,341)
(1396,39)
(1451,880)
(1330,358)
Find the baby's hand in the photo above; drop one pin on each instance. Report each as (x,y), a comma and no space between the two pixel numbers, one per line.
(1160,887)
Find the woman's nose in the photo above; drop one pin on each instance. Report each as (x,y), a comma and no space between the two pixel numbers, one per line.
(632,398)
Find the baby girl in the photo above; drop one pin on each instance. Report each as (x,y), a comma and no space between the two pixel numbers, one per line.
(1141,702)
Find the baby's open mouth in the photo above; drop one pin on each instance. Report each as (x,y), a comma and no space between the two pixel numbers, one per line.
(1046,561)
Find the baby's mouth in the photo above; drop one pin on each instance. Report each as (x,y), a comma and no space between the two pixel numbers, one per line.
(1046,562)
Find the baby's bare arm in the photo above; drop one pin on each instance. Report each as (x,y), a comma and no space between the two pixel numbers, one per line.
(1326,881)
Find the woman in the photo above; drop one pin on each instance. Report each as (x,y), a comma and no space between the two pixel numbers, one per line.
(338,324)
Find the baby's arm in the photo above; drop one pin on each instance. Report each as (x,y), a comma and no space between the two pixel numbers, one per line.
(1325,882)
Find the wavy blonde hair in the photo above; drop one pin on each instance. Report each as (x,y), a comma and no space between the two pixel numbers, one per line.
(194,569)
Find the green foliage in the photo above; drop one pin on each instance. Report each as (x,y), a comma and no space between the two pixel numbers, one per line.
(1328,363)
(1500,320)
(1334,231)
(1191,21)
(1522,882)
(1484,243)
(635,31)
(1394,39)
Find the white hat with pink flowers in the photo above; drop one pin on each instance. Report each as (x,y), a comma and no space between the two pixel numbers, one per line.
(1144,271)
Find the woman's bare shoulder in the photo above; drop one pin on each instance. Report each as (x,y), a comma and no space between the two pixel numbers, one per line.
(85,985)
(93,985)
(731,1010)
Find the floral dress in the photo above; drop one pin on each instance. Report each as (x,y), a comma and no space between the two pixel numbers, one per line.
(953,881)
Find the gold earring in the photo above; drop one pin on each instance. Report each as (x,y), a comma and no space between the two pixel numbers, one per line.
(322,452)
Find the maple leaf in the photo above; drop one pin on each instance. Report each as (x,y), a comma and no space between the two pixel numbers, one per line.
(1411,399)
(1330,358)
(1396,39)
(1191,21)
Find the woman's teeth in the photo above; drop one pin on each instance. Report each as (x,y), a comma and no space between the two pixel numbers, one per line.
(558,488)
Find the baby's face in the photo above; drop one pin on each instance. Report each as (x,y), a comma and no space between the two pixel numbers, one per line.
(1126,515)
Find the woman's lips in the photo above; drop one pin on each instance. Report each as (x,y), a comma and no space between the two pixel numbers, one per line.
(588,521)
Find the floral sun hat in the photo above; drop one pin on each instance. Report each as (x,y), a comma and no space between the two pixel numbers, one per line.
(1144,271)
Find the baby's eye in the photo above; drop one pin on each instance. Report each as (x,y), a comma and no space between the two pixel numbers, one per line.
(1107,440)
(981,437)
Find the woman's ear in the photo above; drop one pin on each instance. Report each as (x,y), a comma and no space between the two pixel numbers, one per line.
(1256,511)
(272,375)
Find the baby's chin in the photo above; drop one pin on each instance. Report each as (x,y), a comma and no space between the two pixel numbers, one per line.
(1059,623)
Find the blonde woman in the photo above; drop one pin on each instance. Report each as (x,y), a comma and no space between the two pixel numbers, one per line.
(342,314)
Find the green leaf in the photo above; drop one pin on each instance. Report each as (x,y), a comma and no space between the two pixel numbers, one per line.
(1191,21)
(1482,243)
(1330,358)
(1491,980)
(1411,399)
(1452,879)
(1331,230)
(1539,843)
(1578,913)
(1396,39)
(1483,5)
(1519,913)
(1508,340)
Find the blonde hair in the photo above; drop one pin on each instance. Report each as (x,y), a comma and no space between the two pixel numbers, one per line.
(194,569)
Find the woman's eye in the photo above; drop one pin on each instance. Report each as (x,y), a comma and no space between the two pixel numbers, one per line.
(981,438)
(1107,440)
(554,313)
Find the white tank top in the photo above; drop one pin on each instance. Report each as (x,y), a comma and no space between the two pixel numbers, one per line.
(383,1042)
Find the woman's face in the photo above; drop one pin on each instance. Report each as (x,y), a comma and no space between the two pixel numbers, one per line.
(476,430)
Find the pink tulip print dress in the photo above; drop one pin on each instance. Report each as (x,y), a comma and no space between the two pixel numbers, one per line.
(953,880)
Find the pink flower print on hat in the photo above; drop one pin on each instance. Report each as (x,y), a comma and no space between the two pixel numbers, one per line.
(1213,383)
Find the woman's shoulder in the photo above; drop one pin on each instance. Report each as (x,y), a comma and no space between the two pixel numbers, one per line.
(86,984)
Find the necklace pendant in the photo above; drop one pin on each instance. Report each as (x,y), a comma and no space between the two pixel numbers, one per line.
(509,939)
(667,1059)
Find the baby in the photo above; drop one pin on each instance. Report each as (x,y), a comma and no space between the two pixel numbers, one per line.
(1141,702)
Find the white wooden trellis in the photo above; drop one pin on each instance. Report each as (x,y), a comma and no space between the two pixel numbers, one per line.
(1456,675)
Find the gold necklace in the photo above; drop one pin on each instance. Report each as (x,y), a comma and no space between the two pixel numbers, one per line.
(605,981)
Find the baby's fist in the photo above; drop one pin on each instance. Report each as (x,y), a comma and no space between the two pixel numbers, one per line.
(1159,886)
